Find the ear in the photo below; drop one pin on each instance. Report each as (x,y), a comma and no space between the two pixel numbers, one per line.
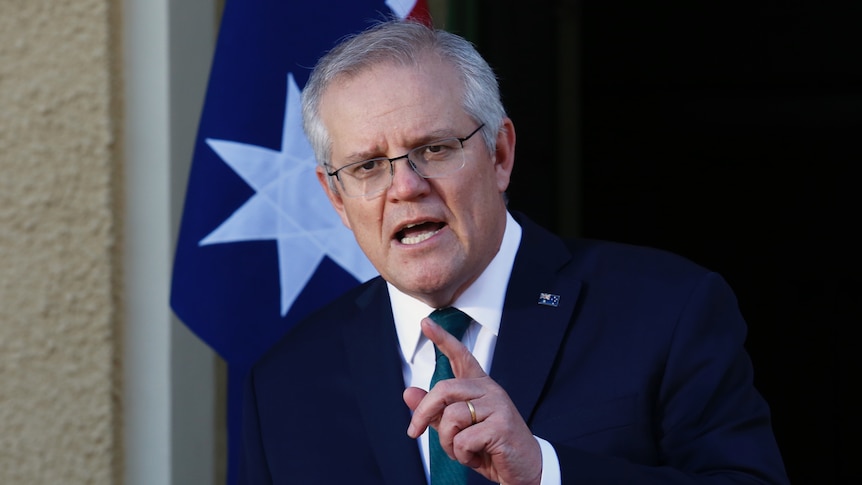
(333,195)
(504,156)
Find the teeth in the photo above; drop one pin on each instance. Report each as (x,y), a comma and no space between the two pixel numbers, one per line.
(418,238)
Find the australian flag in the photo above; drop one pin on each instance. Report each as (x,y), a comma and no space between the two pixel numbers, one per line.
(259,245)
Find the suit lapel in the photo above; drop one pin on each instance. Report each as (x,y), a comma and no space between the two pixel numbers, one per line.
(375,368)
(531,333)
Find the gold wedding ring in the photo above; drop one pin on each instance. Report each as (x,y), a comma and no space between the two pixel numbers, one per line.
(472,413)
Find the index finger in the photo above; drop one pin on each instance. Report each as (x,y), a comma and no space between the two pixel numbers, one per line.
(464,365)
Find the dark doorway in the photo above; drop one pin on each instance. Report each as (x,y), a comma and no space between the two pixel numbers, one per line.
(728,133)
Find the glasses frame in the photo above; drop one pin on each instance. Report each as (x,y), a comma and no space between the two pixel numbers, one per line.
(406,156)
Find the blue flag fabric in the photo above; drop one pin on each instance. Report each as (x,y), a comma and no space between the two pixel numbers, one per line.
(259,245)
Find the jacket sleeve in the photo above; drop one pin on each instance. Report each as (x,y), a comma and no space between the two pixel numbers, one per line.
(711,424)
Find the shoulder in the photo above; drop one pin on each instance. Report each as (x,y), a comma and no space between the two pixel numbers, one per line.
(614,272)
(641,272)
(592,259)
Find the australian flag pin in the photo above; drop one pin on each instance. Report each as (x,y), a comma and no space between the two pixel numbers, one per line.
(549,299)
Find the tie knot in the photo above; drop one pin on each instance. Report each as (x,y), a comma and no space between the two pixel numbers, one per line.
(452,320)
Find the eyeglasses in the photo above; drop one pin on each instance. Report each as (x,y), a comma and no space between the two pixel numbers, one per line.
(434,160)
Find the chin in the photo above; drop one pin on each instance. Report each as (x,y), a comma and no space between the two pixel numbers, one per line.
(421,288)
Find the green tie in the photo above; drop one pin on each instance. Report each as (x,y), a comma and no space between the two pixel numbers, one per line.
(445,471)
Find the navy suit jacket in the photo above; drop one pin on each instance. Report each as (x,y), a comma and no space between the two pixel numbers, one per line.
(638,376)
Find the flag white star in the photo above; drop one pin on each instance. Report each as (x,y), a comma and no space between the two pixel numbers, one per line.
(289,206)
(401,8)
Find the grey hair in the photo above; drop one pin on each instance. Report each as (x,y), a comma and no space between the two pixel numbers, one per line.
(403,42)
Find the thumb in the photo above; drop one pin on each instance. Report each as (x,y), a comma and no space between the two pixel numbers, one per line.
(413,396)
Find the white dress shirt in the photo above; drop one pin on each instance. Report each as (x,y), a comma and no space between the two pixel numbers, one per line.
(483,302)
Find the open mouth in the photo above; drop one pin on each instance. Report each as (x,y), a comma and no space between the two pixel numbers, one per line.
(416,233)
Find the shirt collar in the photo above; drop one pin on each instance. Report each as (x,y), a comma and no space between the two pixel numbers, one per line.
(483,300)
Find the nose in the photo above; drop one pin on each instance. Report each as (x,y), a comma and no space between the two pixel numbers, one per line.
(406,183)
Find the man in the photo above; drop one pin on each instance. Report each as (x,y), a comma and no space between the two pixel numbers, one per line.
(607,363)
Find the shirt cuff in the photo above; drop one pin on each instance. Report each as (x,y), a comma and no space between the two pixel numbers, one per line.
(550,463)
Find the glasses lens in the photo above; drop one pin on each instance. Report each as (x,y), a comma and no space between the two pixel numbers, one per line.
(365,178)
(438,159)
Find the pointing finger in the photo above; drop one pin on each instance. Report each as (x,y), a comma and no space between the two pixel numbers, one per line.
(464,365)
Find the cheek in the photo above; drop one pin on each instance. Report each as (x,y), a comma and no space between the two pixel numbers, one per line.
(470,206)
(344,219)
(366,222)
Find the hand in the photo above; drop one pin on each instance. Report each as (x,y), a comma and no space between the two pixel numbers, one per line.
(500,446)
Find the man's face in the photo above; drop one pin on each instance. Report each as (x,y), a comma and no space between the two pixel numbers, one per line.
(431,238)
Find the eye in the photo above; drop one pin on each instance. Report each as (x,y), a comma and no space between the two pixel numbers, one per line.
(440,150)
(367,168)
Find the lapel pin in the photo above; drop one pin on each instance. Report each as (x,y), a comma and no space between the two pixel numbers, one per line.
(549,299)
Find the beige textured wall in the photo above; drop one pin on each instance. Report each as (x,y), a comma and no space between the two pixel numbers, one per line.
(59,227)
